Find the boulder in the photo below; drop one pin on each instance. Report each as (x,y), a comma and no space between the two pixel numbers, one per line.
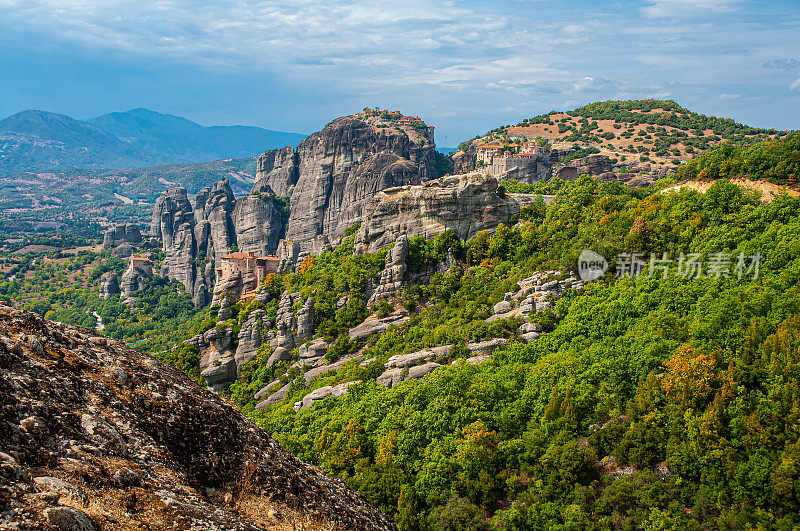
(503,307)
(121,233)
(322,393)
(335,366)
(374,326)
(109,285)
(279,354)
(305,321)
(414,358)
(264,391)
(219,377)
(390,377)
(529,337)
(420,371)
(314,349)
(275,397)
(123,250)
(394,376)
(486,347)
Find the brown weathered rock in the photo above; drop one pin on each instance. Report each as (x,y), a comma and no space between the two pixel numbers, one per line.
(104,407)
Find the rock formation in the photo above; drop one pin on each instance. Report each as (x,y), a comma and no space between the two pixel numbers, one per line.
(173,223)
(250,336)
(321,393)
(305,321)
(328,179)
(535,294)
(121,233)
(278,170)
(287,252)
(285,323)
(109,285)
(97,435)
(393,274)
(465,204)
(589,165)
(258,223)
(194,240)
(333,173)
(123,250)
(135,276)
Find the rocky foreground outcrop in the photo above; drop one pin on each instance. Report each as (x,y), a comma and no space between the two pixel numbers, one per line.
(99,436)
(465,204)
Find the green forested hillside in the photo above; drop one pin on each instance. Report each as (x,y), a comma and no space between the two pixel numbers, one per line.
(648,403)
(777,161)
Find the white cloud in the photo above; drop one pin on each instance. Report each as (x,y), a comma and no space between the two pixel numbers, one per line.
(688,8)
(795,84)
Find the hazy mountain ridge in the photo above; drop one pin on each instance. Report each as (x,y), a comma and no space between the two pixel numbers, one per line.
(72,187)
(35,140)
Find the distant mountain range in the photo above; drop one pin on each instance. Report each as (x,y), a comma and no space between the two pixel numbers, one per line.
(36,140)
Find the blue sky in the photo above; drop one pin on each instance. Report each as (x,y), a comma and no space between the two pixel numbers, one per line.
(463,66)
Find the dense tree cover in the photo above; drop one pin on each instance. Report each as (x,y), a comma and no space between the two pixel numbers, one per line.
(647,403)
(777,161)
(162,315)
(64,287)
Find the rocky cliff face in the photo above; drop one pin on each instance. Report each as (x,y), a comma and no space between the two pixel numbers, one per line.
(278,169)
(465,204)
(394,272)
(328,179)
(333,173)
(258,223)
(174,224)
(194,239)
(109,285)
(121,233)
(97,436)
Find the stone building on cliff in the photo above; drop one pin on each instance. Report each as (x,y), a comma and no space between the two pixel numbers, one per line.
(241,273)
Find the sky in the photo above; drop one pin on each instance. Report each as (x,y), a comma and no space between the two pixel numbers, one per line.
(463,66)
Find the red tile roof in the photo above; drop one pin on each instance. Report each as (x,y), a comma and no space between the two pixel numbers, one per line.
(236,256)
